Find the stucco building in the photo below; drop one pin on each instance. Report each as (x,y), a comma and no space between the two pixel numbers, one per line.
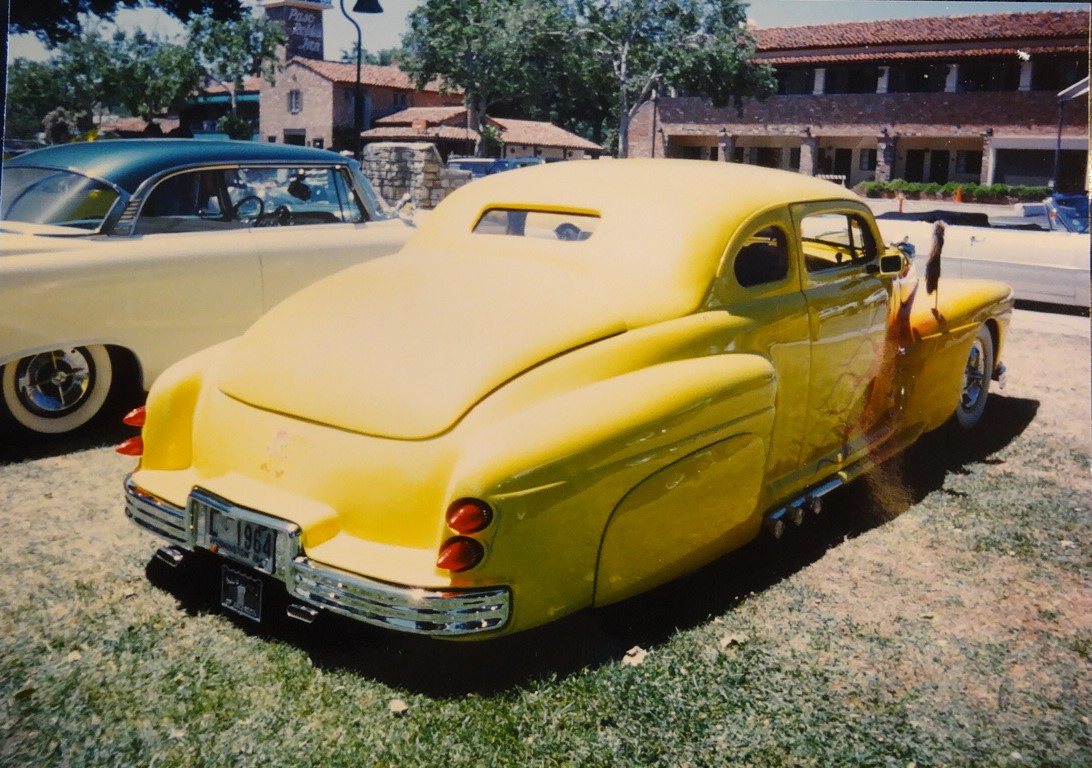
(960,98)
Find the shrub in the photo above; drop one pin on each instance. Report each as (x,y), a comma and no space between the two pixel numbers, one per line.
(971,191)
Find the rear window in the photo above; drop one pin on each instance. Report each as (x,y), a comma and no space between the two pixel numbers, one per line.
(546,225)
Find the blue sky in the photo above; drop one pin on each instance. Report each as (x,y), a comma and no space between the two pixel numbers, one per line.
(385,30)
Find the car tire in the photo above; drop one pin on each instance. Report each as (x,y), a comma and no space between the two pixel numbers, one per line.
(59,390)
(976,380)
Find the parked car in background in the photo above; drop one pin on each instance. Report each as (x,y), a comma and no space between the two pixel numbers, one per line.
(118,258)
(1068,212)
(485,166)
(478,166)
(506,423)
(1048,266)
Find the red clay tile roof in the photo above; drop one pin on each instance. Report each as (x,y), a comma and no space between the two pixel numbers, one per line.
(887,54)
(137,124)
(250,85)
(408,133)
(538,134)
(430,115)
(370,74)
(1013,27)
(528,132)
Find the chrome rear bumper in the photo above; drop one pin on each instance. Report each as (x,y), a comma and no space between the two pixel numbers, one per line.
(421,611)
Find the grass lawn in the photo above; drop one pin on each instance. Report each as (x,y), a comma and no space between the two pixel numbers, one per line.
(937,613)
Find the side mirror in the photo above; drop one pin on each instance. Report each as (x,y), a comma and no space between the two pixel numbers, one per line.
(890,265)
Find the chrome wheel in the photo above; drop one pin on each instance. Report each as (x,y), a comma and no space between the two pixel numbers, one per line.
(976,380)
(59,390)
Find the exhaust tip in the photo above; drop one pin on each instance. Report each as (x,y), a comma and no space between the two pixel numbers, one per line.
(304,613)
(172,556)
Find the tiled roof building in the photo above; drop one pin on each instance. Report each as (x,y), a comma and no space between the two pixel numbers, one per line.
(447,128)
(961,98)
(312,101)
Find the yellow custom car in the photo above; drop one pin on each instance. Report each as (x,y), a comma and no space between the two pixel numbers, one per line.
(575,383)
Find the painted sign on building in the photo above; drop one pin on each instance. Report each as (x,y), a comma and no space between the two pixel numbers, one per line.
(302,21)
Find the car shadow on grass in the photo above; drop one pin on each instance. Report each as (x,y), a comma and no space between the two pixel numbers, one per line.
(18,444)
(592,638)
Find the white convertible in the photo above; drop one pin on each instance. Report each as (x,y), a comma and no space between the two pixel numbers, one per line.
(1049,266)
(118,258)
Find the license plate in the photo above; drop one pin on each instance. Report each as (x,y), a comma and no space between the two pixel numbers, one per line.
(241,593)
(243,540)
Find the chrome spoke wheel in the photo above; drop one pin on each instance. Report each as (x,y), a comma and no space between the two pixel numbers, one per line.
(976,380)
(51,384)
(974,377)
(58,390)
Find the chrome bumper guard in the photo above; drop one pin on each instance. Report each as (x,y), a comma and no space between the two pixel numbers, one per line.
(420,611)
(155,515)
(439,612)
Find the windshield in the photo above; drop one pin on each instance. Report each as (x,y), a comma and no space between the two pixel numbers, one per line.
(51,196)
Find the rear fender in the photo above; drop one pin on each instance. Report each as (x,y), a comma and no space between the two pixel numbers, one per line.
(171,403)
(555,473)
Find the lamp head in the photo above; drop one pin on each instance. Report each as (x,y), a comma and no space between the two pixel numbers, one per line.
(367,6)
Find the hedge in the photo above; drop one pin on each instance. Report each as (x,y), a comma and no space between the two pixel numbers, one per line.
(971,192)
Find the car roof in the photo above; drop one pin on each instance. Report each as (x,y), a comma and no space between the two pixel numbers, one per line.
(663,223)
(689,193)
(126,163)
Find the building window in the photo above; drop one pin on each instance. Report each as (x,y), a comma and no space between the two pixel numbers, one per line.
(989,76)
(968,161)
(1054,74)
(295,102)
(917,78)
(851,80)
(867,161)
(794,158)
(401,99)
(795,82)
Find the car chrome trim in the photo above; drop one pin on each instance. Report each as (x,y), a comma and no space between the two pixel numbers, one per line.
(155,515)
(442,612)
(409,609)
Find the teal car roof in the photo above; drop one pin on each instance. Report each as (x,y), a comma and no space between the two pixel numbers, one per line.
(126,163)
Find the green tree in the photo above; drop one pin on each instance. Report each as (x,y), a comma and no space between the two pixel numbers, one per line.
(56,21)
(151,76)
(228,52)
(34,89)
(491,49)
(384,57)
(686,47)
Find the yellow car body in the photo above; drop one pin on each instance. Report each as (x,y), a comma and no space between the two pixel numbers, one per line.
(695,351)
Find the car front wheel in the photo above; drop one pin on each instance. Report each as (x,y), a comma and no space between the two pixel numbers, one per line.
(59,390)
(976,380)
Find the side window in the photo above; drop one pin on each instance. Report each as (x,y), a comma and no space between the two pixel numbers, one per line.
(293,196)
(764,258)
(186,202)
(835,240)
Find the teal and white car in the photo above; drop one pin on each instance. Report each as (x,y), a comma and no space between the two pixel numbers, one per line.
(118,258)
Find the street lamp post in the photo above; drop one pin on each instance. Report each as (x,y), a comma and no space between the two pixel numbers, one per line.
(362,6)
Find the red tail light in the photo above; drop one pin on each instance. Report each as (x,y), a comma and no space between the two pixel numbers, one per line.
(134,446)
(469,516)
(135,417)
(460,554)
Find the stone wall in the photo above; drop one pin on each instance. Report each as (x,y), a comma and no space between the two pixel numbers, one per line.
(410,170)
